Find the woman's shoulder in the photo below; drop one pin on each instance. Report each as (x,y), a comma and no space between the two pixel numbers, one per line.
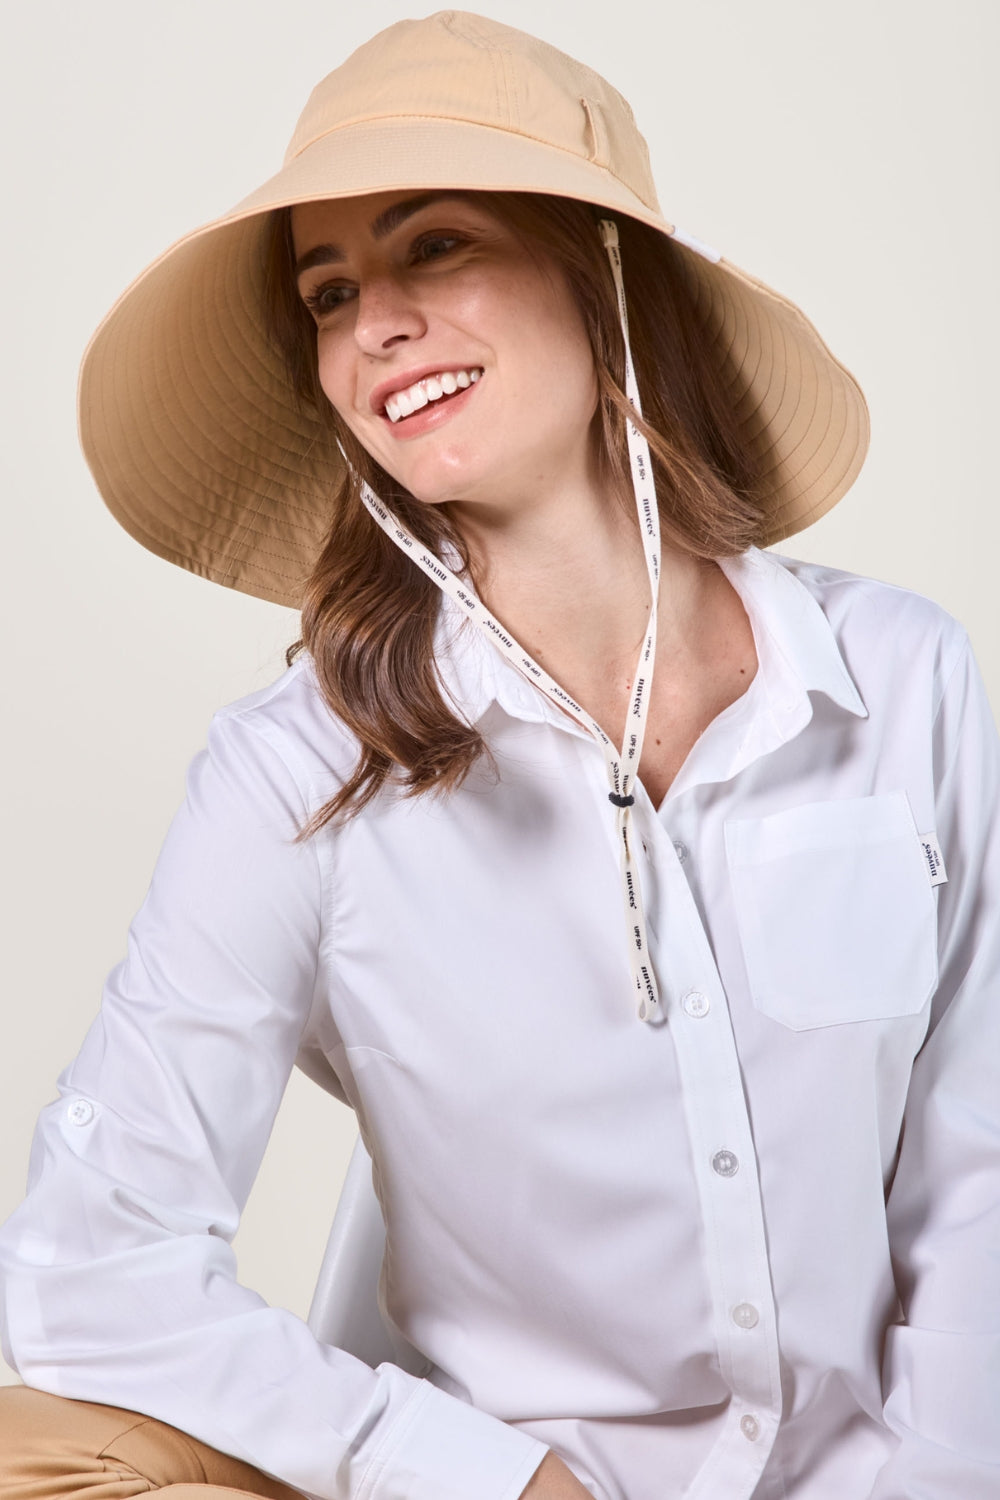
(861,608)
(290,717)
(900,648)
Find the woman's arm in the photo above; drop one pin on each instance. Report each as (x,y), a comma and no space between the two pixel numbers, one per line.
(942,1362)
(119,1279)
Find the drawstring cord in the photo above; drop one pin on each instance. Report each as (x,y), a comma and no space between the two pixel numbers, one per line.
(623,767)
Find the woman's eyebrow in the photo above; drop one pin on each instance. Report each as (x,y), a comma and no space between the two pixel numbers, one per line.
(397,213)
(383,224)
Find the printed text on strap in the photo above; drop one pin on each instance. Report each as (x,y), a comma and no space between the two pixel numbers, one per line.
(623,767)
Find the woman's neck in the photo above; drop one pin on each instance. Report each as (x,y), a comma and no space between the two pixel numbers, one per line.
(568,579)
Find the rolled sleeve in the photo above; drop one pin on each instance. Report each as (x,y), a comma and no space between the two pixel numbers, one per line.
(118,1276)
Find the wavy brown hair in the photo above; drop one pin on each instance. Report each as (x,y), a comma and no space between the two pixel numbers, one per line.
(369,614)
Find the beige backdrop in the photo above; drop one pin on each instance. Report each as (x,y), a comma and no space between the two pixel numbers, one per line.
(846,153)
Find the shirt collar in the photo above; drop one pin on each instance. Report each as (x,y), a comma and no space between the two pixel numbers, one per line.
(797,654)
(793,635)
(475,676)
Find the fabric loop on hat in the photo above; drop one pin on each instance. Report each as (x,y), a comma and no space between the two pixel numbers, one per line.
(600,150)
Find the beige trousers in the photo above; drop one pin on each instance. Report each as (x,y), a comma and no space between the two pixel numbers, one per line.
(54,1449)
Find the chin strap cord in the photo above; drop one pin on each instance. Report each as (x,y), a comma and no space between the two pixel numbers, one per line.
(623,767)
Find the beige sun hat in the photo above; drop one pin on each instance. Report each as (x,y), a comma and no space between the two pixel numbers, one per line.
(187,419)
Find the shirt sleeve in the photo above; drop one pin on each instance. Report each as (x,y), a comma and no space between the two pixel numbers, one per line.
(118,1277)
(942,1360)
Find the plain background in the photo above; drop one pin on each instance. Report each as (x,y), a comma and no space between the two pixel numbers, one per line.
(846,153)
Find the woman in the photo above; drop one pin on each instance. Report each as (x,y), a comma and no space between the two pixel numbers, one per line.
(662,996)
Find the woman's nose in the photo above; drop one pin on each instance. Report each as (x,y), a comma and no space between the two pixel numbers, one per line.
(386,315)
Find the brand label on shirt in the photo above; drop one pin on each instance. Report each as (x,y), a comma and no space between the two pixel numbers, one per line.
(933,858)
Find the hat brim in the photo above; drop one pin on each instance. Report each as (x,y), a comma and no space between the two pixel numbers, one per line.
(200,451)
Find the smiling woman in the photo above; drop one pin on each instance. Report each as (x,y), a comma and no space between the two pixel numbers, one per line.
(434,293)
(617,873)
(516,288)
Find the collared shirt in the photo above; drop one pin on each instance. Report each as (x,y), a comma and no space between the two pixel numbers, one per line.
(750,1251)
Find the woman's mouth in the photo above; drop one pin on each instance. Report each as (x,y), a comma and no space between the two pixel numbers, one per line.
(432,388)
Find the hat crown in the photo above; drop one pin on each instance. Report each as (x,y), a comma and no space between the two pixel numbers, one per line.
(458,66)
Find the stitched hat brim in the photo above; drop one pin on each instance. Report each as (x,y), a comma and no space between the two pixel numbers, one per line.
(194,439)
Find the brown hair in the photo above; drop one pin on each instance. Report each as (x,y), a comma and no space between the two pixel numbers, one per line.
(368,615)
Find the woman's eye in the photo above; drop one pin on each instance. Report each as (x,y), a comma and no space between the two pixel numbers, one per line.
(326,299)
(432,246)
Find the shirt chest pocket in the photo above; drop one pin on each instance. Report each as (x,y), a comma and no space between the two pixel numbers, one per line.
(835,911)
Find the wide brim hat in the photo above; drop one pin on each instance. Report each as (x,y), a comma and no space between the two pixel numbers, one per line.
(187,417)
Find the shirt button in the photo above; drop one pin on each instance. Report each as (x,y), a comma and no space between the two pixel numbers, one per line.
(682,851)
(725,1163)
(750,1428)
(80,1112)
(745,1315)
(695,1003)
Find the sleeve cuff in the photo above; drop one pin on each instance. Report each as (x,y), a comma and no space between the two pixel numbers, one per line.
(443,1448)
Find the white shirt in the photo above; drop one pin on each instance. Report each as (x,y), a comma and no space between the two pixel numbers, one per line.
(693,1258)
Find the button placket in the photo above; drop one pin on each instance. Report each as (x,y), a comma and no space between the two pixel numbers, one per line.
(718,1125)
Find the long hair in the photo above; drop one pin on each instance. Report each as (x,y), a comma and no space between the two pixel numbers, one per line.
(369,615)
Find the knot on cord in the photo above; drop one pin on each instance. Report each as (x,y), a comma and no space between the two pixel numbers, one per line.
(620,801)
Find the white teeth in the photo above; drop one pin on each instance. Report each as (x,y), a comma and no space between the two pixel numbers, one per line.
(431,388)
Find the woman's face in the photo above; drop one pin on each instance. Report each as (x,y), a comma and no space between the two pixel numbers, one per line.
(456,357)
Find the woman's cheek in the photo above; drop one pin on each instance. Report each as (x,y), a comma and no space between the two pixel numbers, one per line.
(328,377)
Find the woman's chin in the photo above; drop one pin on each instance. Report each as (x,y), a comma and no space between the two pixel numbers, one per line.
(433,484)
